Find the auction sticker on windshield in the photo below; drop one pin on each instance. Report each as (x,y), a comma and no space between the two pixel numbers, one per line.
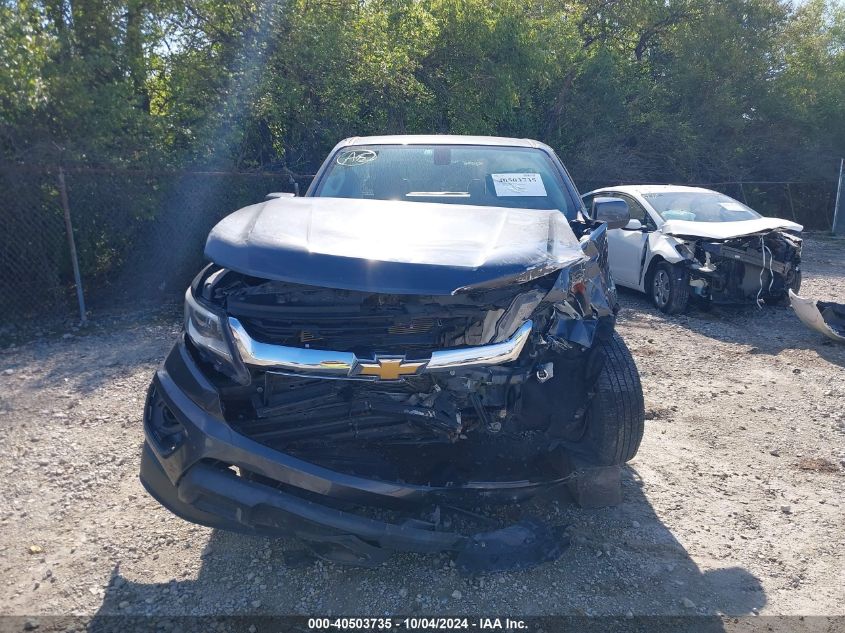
(518,185)
(356,157)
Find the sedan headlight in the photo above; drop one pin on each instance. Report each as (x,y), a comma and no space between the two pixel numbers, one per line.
(684,251)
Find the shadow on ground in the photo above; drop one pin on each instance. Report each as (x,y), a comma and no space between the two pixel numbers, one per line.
(623,563)
(767,331)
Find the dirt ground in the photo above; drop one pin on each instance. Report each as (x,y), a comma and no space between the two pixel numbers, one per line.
(733,505)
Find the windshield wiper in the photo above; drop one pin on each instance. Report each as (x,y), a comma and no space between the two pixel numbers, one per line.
(437,194)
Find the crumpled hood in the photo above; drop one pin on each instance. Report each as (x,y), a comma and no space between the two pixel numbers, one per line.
(727,230)
(391,247)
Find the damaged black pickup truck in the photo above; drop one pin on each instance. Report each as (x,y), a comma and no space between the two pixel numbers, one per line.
(430,327)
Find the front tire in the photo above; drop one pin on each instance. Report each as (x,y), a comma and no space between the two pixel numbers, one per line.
(668,288)
(615,419)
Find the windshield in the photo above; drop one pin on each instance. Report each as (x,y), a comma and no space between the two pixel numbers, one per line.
(699,206)
(514,177)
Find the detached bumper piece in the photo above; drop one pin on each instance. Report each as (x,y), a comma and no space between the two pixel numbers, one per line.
(196,465)
(821,316)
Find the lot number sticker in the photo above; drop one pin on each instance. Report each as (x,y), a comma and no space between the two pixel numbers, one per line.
(518,185)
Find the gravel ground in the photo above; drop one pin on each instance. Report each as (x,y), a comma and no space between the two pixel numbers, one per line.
(733,505)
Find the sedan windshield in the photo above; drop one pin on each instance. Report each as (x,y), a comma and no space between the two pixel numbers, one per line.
(515,177)
(699,206)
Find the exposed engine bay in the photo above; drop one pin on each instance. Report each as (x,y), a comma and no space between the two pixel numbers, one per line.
(381,422)
(754,268)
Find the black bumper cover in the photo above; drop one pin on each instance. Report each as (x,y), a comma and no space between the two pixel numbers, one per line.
(194,481)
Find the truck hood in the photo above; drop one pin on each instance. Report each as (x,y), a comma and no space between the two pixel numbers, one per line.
(391,246)
(727,230)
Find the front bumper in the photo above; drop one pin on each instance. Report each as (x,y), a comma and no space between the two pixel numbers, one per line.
(822,317)
(200,478)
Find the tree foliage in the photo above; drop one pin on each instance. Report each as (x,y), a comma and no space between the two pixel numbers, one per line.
(656,90)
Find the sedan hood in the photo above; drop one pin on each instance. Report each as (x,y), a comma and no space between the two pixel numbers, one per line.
(727,230)
(392,247)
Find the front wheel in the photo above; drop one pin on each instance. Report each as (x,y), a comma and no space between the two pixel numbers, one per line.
(669,288)
(615,419)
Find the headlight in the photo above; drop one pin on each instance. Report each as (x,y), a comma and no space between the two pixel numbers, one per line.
(206,330)
(684,251)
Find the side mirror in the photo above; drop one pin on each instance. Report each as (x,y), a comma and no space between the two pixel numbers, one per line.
(612,211)
(633,225)
(279,194)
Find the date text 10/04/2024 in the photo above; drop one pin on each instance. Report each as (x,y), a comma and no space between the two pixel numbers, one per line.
(416,623)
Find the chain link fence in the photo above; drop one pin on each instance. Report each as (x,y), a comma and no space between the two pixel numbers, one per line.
(139,235)
(33,253)
(808,203)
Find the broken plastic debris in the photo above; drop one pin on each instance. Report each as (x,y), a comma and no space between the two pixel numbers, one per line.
(519,546)
(822,316)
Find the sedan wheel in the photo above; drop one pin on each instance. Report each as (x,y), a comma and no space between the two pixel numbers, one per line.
(661,288)
(670,288)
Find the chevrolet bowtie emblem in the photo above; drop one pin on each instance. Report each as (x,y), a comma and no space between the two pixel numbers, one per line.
(390,368)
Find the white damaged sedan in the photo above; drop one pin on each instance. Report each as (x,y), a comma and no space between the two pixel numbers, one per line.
(688,243)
